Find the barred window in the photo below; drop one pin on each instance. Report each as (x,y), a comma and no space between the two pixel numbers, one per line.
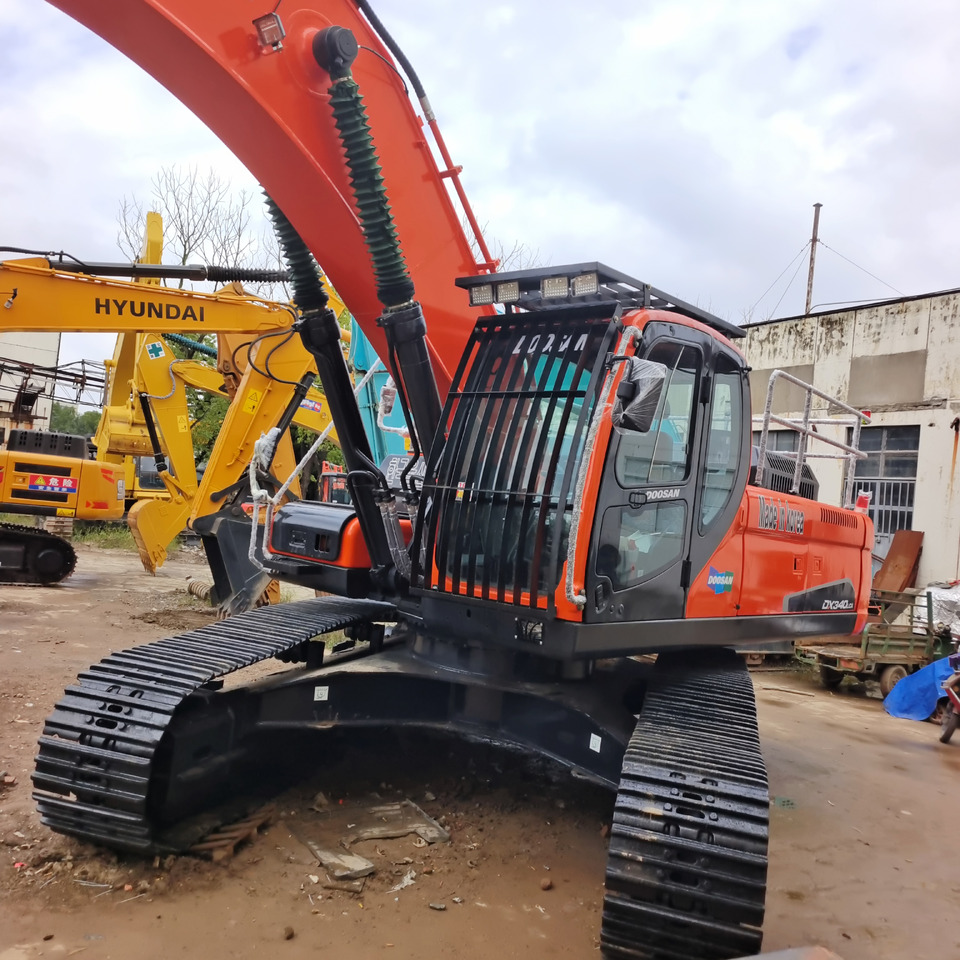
(888,474)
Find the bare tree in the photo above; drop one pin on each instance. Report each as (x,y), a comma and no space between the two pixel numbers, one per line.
(131,219)
(204,219)
(517,256)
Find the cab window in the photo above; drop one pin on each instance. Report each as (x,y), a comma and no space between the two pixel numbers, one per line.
(662,454)
(637,543)
(723,441)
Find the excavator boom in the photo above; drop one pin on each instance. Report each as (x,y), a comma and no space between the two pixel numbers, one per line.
(97,305)
(209,57)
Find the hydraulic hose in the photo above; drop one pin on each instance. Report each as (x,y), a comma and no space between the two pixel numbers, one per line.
(189,343)
(187,271)
(320,332)
(418,88)
(158,457)
(308,292)
(335,49)
(394,286)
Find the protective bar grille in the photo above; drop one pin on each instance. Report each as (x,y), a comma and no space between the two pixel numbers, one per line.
(499,490)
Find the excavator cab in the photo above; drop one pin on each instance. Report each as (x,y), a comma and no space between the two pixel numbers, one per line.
(591,458)
(666,496)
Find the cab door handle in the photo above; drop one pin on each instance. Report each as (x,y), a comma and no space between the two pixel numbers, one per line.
(600,594)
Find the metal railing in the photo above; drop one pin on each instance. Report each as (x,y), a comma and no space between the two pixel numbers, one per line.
(891,503)
(806,427)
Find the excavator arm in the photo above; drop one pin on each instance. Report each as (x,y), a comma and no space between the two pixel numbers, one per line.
(159,393)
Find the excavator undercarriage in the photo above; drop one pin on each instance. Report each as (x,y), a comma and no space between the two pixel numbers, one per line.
(146,739)
(30,555)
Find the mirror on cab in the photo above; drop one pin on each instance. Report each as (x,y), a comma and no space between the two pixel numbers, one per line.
(638,395)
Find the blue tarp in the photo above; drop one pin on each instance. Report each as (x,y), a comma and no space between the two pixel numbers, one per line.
(915,696)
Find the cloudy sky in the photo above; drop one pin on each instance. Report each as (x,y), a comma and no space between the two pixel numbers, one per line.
(681,141)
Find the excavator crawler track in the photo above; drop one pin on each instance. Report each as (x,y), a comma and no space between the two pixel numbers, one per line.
(29,555)
(686,875)
(96,764)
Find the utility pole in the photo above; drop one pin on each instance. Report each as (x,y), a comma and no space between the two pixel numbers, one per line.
(813,255)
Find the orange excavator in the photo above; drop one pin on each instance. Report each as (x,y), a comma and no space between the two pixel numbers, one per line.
(581,489)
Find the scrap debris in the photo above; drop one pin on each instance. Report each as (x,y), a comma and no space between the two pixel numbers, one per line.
(408,880)
(347,886)
(340,865)
(392,820)
(345,870)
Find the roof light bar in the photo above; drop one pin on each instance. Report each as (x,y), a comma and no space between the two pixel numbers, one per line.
(482,295)
(552,287)
(586,285)
(545,288)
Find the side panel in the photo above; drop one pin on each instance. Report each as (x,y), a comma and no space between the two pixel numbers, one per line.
(802,557)
(60,486)
(717,589)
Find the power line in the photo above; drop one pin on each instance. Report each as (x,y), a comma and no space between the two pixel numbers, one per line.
(786,288)
(782,272)
(867,272)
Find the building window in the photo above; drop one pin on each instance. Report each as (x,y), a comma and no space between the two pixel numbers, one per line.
(782,441)
(889,474)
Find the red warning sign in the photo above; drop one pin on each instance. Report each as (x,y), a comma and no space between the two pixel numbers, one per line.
(43,481)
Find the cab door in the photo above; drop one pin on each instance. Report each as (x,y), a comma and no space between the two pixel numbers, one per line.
(647,508)
(716,549)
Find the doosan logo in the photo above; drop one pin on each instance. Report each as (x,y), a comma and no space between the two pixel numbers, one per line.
(720,582)
(671,493)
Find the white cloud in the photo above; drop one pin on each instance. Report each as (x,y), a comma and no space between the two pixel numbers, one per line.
(684,142)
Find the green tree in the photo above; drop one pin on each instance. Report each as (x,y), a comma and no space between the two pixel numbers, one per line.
(67,419)
(206,420)
(206,410)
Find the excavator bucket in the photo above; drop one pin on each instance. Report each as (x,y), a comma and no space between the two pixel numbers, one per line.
(238,583)
(154,524)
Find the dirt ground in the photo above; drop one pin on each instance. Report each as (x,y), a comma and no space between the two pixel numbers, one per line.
(861,821)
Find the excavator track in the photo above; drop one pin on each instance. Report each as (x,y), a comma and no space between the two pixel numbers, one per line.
(29,555)
(96,764)
(686,875)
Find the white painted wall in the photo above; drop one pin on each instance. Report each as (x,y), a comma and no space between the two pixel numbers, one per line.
(895,348)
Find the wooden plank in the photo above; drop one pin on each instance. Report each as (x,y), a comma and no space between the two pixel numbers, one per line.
(222,843)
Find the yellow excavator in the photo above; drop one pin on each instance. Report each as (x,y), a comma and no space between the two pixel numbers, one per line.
(50,474)
(262,367)
(145,416)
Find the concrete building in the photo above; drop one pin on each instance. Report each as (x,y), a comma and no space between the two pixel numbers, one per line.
(26,399)
(899,360)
